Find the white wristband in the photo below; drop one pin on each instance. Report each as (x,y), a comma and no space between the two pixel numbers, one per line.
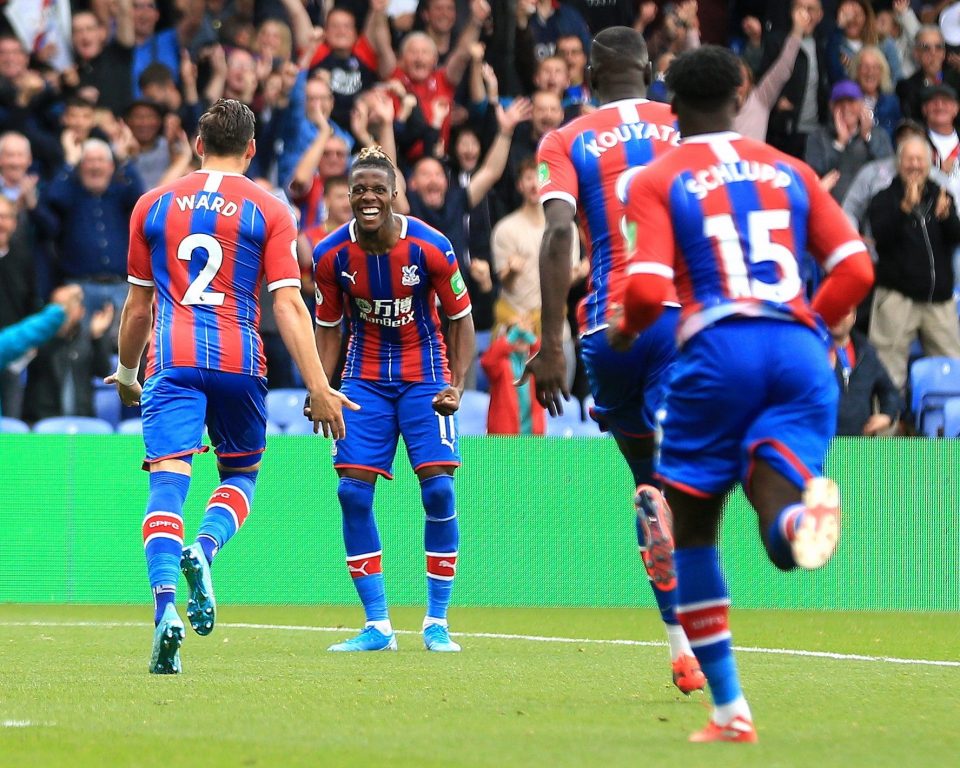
(126,376)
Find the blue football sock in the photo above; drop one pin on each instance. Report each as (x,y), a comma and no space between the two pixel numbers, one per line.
(362,542)
(441,539)
(700,586)
(163,535)
(226,511)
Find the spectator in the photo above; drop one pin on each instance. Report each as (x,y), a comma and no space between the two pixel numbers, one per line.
(63,312)
(326,156)
(513,410)
(355,62)
(900,24)
(570,49)
(676,30)
(930,52)
(102,72)
(85,212)
(548,21)
(15,162)
(439,19)
(435,87)
(872,74)
(916,228)
(803,102)
(18,292)
(875,176)
(857,27)
(163,47)
(60,378)
(152,156)
(516,255)
(863,380)
(27,101)
(939,107)
(756,102)
(295,127)
(844,147)
(478,226)
(433,199)
(546,113)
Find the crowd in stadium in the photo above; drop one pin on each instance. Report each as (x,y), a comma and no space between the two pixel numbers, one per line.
(459,93)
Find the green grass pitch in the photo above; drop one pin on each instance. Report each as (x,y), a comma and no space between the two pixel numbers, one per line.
(263,691)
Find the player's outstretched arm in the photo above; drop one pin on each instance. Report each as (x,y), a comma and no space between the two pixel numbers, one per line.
(548,366)
(136,319)
(326,403)
(461,345)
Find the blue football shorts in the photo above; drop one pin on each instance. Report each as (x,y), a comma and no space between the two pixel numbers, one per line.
(743,389)
(178,402)
(389,410)
(628,388)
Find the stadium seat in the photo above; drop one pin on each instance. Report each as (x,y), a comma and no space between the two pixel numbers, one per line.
(107,405)
(932,381)
(299,426)
(472,416)
(285,406)
(951,417)
(569,423)
(73,425)
(13,426)
(130,427)
(274,429)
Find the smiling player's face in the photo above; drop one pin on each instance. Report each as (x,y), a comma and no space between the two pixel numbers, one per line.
(371,198)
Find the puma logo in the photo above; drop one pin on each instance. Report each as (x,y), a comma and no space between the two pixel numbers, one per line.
(351,277)
(362,568)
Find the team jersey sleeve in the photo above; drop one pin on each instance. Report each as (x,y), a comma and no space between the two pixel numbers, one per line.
(447,281)
(556,173)
(139,268)
(650,250)
(329,309)
(280,252)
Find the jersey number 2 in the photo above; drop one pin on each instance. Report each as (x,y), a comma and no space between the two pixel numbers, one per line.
(740,282)
(196,292)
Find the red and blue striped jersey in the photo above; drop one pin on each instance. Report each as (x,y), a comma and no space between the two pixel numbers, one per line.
(391,301)
(205,242)
(725,218)
(588,163)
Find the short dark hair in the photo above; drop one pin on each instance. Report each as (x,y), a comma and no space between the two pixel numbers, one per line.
(613,47)
(374,157)
(529,163)
(706,77)
(155,74)
(335,181)
(79,101)
(226,128)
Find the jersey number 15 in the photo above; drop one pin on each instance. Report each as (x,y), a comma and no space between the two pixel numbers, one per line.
(737,265)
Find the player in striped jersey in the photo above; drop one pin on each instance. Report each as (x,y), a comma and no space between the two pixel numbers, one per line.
(385,272)
(199,248)
(586,164)
(753,398)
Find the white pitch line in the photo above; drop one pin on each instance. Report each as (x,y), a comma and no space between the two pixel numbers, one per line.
(503,636)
